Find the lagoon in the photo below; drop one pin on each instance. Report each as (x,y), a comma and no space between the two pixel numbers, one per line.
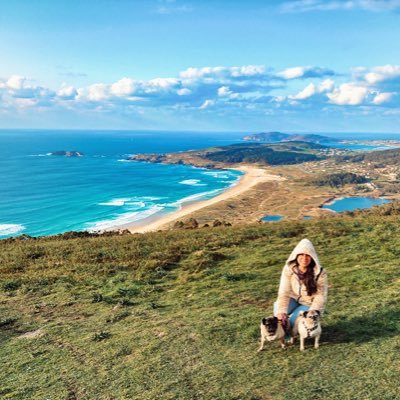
(272,218)
(354,203)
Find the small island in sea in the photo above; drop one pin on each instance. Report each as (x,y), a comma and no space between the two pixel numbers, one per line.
(67,153)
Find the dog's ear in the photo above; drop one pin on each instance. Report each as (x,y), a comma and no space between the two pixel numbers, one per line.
(305,314)
(318,312)
(264,321)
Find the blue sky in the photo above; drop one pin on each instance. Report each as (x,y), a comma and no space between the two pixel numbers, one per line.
(290,65)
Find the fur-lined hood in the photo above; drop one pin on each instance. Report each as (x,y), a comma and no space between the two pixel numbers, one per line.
(291,286)
(305,247)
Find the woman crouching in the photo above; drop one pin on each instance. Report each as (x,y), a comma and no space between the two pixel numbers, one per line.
(303,285)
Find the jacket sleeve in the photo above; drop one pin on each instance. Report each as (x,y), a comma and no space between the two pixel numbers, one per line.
(284,291)
(321,296)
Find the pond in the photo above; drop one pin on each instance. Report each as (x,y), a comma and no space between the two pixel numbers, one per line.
(353,203)
(271,218)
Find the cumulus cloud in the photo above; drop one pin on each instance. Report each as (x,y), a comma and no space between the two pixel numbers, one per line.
(348,94)
(383,73)
(123,87)
(307,92)
(334,5)
(305,72)
(67,92)
(255,88)
(382,98)
(207,104)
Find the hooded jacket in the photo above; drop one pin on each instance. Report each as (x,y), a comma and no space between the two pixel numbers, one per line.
(292,287)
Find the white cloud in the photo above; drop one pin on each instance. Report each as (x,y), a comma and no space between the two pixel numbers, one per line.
(383,73)
(184,92)
(348,94)
(219,89)
(207,104)
(326,86)
(307,92)
(16,82)
(67,92)
(123,87)
(304,72)
(157,84)
(292,73)
(98,92)
(218,72)
(382,98)
(345,5)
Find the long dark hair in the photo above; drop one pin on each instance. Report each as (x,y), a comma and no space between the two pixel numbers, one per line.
(308,277)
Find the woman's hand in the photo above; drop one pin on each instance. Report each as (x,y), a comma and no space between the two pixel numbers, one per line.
(282,316)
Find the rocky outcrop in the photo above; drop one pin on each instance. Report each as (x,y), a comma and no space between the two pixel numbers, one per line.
(154,158)
(67,153)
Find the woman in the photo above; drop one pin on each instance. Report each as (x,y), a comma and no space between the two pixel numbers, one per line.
(303,285)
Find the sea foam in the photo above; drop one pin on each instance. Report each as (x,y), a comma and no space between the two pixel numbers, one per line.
(192,182)
(10,229)
(123,219)
(115,202)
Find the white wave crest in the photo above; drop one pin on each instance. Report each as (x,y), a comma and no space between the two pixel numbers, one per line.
(115,202)
(10,229)
(40,155)
(218,174)
(195,197)
(123,219)
(192,182)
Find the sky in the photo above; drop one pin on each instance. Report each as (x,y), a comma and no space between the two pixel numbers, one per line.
(205,65)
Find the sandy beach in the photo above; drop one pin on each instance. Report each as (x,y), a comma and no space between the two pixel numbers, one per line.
(252,176)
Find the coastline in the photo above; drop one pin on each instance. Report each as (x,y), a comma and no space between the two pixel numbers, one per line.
(252,177)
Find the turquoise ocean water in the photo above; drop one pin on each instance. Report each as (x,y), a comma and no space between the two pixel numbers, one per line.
(44,195)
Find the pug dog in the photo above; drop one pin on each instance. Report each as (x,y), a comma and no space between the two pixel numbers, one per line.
(271,329)
(307,326)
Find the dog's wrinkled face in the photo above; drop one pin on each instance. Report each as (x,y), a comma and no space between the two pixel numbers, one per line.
(312,316)
(271,324)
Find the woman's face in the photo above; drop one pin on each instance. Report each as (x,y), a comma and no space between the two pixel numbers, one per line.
(303,260)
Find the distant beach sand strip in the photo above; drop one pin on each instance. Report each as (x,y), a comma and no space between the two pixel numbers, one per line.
(252,177)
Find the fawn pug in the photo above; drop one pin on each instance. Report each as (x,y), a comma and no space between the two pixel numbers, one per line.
(307,326)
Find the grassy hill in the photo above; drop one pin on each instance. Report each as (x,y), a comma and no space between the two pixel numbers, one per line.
(271,154)
(175,315)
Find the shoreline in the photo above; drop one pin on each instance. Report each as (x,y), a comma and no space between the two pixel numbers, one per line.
(252,176)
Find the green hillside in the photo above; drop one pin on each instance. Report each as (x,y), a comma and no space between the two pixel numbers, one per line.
(175,315)
(272,154)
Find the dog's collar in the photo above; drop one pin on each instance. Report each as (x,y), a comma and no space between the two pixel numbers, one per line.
(309,330)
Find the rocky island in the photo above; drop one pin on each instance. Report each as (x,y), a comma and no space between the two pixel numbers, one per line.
(67,153)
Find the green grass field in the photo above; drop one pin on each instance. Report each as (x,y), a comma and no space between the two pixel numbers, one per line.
(175,315)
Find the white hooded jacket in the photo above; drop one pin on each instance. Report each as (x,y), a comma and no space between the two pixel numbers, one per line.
(292,287)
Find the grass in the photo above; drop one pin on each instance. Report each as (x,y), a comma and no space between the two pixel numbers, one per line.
(175,315)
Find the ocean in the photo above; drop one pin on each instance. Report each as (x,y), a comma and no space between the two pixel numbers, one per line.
(43,194)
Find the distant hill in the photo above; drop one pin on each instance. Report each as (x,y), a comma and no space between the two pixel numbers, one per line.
(382,157)
(286,137)
(271,154)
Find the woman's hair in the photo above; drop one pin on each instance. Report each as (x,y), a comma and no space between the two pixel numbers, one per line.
(308,277)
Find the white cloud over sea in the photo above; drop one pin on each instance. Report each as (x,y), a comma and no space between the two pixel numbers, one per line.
(249,90)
